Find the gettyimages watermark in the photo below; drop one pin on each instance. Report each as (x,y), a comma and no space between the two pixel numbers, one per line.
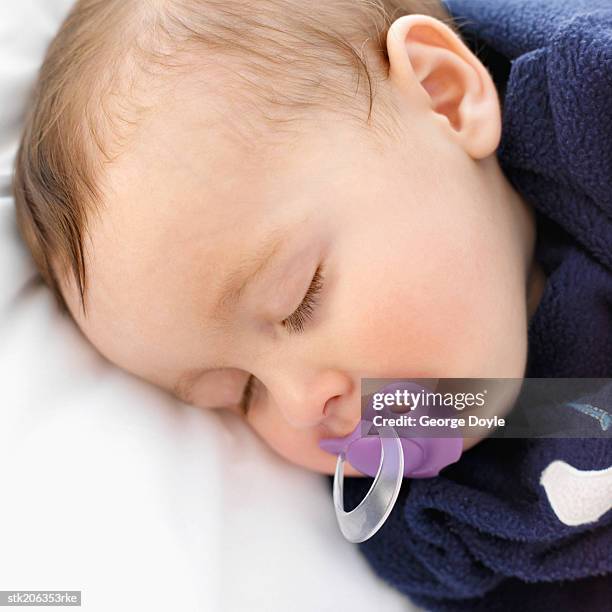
(492,407)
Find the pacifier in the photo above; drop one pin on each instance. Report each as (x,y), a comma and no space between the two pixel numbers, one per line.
(389,457)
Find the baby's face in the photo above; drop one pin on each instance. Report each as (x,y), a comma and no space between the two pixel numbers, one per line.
(422,252)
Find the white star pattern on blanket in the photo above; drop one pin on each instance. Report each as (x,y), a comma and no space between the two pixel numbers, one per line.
(577,496)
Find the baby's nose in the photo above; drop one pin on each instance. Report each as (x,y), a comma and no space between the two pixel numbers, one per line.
(309,401)
(303,410)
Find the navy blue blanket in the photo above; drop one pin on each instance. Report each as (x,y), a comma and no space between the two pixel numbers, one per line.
(483,535)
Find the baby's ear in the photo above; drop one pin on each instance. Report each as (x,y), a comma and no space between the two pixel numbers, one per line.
(432,66)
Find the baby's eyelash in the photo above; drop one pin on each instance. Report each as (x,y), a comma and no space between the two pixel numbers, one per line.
(245,401)
(295,322)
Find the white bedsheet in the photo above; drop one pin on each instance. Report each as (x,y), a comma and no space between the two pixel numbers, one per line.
(112,487)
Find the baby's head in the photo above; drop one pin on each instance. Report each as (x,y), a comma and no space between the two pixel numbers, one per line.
(291,190)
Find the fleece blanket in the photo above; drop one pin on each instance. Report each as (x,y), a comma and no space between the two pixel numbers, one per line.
(527,523)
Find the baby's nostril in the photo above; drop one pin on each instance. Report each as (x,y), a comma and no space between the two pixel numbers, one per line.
(327,409)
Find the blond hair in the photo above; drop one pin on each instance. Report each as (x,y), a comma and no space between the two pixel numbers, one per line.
(296,57)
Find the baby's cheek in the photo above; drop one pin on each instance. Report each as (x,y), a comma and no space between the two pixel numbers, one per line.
(401,333)
(219,388)
(457,322)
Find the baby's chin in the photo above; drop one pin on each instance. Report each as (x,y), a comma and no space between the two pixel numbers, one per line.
(349,471)
(327,466)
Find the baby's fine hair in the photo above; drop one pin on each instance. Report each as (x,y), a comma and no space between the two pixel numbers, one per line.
(283,60)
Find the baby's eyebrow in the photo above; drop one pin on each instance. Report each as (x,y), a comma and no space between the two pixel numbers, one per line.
(249,269)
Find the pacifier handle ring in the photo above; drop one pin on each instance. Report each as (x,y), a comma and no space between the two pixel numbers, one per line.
(368,517)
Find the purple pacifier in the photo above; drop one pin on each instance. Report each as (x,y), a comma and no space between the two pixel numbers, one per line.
(424,457)
(389,455)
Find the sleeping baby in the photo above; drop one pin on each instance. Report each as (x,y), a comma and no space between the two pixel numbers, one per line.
(253,206)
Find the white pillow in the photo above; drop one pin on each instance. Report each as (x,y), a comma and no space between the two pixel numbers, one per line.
(112,487)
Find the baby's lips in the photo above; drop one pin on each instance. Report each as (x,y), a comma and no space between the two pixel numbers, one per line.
(336,445)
